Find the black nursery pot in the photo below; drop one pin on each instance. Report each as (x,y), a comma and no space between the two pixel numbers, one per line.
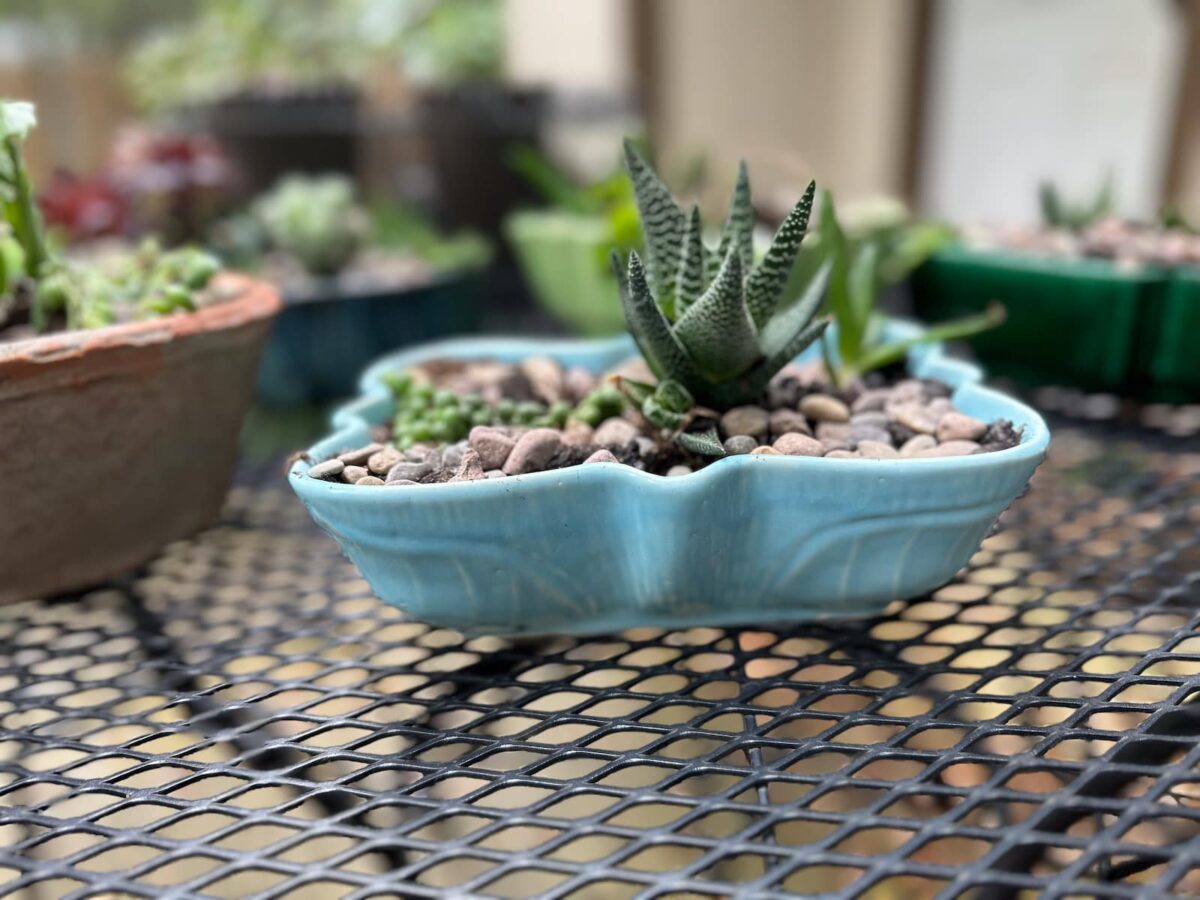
(269,135)
(471,129)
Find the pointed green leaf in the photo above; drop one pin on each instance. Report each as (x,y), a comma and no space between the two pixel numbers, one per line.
(674,396)
(649,327)
(706,443)
(663,222)
(863,285)
(738,230)
(778,333)
(766,281)
(886,354)
(717,330)
(689,283)
(660,416)
(850,329)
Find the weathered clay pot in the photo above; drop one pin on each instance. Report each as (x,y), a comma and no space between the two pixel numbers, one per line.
(116,441)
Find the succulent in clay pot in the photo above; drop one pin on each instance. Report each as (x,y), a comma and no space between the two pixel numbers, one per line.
(579,486)
(122,388)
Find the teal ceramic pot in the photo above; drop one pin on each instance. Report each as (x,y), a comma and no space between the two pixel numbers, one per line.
(320,341)
(600,548)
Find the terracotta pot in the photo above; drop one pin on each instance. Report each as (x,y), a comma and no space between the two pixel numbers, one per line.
(116,441)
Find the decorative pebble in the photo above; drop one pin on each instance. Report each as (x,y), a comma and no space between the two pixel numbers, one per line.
(874,419)
(787,421)
(833,431)
(823,408)
(369,481)
(545,378)
(383,460)
(842,454)
(601,456)
(765,451)
(351,474)
(360,456)
(493,473)
(783,392)
(408,471)
(492,446)
(956,426)
(676,471)
(579,382)
(751,420)
(914,446)
(951,448)
(470,468)
(452,456)
(645,445)
(331,468)
(796,444)
(739,445)
(535,448)
(877,450)
(915,417)
(871,400)
(859,433)
(578,434)
(615,432)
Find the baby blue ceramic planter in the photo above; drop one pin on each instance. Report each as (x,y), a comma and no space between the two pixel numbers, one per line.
(604,547)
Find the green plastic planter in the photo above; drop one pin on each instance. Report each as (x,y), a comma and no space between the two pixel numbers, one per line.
(564,258)
(1080,322)
(1174,364)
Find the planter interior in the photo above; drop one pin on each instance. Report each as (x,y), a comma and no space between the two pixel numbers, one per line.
(119,440)
(319,342)
(604,547)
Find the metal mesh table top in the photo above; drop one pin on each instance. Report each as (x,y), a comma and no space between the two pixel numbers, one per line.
(243,718)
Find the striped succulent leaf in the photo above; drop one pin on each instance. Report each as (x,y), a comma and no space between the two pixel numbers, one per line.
(713,321)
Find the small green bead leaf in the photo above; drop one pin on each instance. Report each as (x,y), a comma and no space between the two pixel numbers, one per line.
(717,330)
(689,283)
(706,443)
(649,327)
(663,223)
(768,278)
(658,415)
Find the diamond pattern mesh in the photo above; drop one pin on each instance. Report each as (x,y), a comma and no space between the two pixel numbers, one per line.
(243,718)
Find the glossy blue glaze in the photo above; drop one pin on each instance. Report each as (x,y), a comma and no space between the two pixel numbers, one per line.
(603,547)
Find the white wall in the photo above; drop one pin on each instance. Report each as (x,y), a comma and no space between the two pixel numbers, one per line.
(1068,90)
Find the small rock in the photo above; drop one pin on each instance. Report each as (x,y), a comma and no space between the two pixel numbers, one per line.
(615,432)
(859,433)
(1001,435)
(578,382)
(381,461)
(952,448)
(578,434)
(329,469)
(783,392)
(877,450)
(360,456)
(492,446)
(493,473)
(941,406)
(452,456)
(408,471)
(603,455)
(796,444)
(351,474)
(645,446)
(765,451)
(910,389)
(545,378)
(417,452)
(842,454)
(470,468)
(823,408)
(739,445)
(531,453)
(914,446)
(369,481)
(872,400)
(956,426)
(915,417)
(787,421)
(874,419)
(751,420)
(676,471)
(833,431)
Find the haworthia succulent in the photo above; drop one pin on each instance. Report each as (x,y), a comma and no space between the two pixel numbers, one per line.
(771,274)
(649,327)
(663,222)
(689,283)
(717,330)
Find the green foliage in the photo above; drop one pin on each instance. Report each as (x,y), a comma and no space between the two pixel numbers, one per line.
(858,270)
(1058,213)
(315,219)
(17,119)
(232,46)
(399,228)
(454,41)
(713,321)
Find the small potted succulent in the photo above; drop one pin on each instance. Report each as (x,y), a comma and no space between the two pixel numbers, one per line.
(356,282)
(1093,301)
(564,250)
(733,460)
(123,383)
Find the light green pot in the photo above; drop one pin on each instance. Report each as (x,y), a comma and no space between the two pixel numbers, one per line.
(564,259)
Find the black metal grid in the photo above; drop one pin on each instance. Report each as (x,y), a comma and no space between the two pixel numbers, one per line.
(244,718)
